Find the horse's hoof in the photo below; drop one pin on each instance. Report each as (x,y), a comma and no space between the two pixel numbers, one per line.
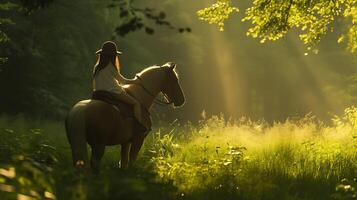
(80,163)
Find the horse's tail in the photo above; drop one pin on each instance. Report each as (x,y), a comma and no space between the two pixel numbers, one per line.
(76,134)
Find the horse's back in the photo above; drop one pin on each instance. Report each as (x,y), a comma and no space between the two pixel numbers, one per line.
(103,123)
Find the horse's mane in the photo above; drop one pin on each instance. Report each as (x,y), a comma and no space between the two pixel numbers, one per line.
(148,69)
(155,67)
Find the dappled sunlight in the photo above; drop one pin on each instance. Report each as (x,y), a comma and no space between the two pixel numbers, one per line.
(231,79)
(318,79)
(262,105)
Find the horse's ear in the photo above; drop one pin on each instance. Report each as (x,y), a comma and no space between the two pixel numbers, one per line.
(172,65)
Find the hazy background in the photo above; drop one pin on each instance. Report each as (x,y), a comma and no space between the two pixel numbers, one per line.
(51,56)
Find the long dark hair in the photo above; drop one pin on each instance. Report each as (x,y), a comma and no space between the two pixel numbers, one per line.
(103,61)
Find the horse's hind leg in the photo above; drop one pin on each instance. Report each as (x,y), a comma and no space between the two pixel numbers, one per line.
(97,154)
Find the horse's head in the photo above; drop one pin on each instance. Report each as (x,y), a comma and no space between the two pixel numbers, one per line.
(163,79)
(171,86)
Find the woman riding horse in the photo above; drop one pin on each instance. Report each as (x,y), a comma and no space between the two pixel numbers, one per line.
(100,124)
(107,77)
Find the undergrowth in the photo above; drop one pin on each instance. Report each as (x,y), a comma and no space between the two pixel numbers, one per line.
(215,159)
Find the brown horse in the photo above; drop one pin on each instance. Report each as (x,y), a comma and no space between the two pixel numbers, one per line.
(100,124)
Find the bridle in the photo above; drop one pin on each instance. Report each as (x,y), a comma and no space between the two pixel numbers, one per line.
(156,100)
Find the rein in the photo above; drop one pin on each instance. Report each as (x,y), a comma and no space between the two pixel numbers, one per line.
(156,100)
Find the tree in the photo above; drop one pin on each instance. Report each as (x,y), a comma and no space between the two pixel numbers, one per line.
(51,79)
(272,19)
(25,6)
(49,60)
(133,18)
(3,22)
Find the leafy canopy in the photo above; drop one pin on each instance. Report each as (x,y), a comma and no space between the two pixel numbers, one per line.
(272,19)
(131,17)
(3,22)
(134,18)
(24,6)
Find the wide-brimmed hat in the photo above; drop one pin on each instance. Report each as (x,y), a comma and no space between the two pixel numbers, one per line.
(108,48)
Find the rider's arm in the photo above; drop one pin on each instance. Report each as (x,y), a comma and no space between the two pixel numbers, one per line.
(122,80)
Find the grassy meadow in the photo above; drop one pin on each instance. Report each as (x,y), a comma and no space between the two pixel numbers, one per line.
(217,158)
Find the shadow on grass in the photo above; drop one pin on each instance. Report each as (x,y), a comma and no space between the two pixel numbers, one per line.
(37,164)
(113,183)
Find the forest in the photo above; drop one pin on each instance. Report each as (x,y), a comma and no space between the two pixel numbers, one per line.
(270,87)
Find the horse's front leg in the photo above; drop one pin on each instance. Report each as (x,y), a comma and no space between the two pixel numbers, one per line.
(136,144)
(124,154)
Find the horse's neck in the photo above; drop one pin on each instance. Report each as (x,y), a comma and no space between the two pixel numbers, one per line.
(147,90)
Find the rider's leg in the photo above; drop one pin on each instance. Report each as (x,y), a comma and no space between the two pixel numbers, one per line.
(125,97)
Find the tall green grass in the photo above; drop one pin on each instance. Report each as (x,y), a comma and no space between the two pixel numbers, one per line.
(302,159)
(215,159)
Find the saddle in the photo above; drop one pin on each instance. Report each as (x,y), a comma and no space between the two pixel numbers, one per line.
(125,109)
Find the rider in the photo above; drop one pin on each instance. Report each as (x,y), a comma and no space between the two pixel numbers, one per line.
(106,76)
